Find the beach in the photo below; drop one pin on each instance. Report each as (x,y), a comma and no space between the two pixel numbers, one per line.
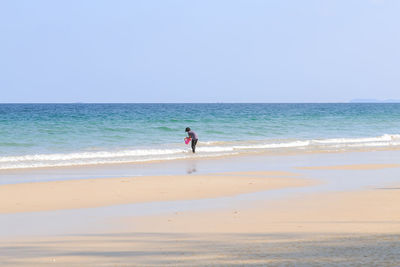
(305,209)
(269,185)
(199,133)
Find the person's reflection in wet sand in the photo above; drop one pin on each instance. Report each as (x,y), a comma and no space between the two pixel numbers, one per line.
(191,169)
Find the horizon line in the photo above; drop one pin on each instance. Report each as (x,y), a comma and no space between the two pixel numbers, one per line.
(79,102)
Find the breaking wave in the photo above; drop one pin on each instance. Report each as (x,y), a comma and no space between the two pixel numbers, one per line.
(205,149)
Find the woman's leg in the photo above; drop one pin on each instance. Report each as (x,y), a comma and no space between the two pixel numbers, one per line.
(194,142)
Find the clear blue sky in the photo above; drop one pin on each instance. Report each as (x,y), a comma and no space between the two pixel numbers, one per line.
(199,51)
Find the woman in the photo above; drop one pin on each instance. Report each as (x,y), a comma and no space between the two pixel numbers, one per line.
(193,135)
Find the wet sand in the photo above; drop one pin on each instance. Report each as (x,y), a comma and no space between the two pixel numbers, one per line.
(352,167)
(367,211)
(190,249)
(90,193)
(339,212)
(338,229)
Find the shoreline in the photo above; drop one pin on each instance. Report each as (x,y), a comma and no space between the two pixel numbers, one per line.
(111,170)
(204,156)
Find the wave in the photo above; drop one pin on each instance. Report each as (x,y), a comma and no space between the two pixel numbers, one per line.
(91,155)
(205,149)
(385,137)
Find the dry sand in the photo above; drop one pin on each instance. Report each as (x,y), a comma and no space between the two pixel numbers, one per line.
(88,193)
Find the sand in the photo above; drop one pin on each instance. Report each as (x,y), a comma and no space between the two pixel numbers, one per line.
(369,211)
(190,249)
(336,228)
(351,167)
(89,193)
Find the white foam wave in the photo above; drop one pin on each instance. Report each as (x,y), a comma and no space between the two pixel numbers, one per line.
(273,145)
(215,149)
(44,164)
(205,149)
(383,138)
(92,155)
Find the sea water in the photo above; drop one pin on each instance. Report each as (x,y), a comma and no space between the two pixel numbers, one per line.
(50,135)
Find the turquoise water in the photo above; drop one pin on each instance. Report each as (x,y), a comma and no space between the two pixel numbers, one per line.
(38,135)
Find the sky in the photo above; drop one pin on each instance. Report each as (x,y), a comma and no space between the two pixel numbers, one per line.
(198,51)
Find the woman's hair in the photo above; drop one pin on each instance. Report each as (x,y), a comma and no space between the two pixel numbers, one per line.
(187,129)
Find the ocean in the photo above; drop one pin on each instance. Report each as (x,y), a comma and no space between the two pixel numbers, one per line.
(51,135)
